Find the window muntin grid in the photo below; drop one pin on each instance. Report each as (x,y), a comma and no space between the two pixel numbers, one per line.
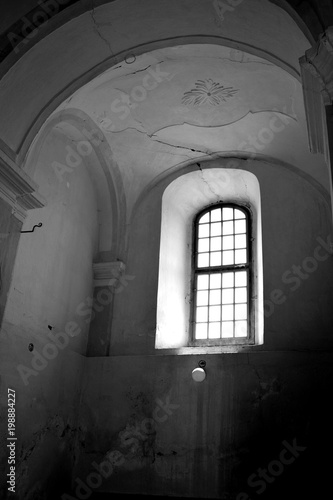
(222,275)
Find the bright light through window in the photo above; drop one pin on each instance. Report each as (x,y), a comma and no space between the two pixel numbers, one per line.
(222,275)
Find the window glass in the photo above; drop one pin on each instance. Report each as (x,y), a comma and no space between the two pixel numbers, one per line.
(222,271)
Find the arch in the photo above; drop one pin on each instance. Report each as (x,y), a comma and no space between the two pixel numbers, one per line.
(10,56)
(231,159)
(51,60)
(182,199)
(105,175)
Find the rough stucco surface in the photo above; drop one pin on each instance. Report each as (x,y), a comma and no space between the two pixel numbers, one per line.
(51,278)
(173,437)
(9,237)
(249,392)
(215,435)
(195,102)
(294,215)
(37,76)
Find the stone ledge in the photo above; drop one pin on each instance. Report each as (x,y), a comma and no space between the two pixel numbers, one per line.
(17,189)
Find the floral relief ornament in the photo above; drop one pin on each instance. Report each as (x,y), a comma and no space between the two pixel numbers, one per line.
(208,92)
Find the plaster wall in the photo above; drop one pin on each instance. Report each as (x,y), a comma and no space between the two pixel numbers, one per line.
(174,437)
(294,215)
(74,410)
(45,326)
(169,436)
(9,237)
(98,39)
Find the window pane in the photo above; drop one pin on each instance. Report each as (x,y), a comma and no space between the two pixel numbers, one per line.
(241,329)
(240,241)
(203,245)
(228,257)
(228,228)
(215,229)
(203,230)
(228,280)
(201,331)
(240,226)
(215,215)
(241,278)
(227,329)
(228,242)
(202,283)
(227,313)
(239,214)
(241,295)
(228,296)
(222,297)
(240,311)
(204,218)
(215,313)
(214,330)
(228,213)
(215,258)
(216,244)
(202,298)
(215,280)
(215,297)
(240,256)
(202,314)
(203,260)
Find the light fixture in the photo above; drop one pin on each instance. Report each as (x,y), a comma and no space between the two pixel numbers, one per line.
(199,374)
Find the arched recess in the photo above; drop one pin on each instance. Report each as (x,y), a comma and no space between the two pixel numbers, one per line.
(86,143)
(181,201)
(81,240)
(234,160)
(291,203)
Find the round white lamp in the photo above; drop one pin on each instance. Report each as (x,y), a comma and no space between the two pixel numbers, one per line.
(199,374)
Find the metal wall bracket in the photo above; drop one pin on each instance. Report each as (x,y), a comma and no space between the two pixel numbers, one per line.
(32,230)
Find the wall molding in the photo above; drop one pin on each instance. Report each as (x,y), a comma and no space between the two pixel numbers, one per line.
(108,273)
(17,189)
(317,78)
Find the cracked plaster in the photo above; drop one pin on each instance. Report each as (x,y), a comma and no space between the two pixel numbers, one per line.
(138,98)
(150,131)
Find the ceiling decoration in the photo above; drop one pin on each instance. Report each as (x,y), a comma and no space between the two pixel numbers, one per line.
(208,92)
(199,85)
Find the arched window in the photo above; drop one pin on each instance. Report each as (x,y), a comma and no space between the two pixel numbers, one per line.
(201,211)
(222,276)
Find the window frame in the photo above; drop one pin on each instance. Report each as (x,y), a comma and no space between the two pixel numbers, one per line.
(195,271)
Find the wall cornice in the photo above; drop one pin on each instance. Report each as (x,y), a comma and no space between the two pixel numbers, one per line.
(17,189)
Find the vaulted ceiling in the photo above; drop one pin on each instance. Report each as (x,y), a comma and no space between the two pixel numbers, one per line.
(316,15)
(167,82)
